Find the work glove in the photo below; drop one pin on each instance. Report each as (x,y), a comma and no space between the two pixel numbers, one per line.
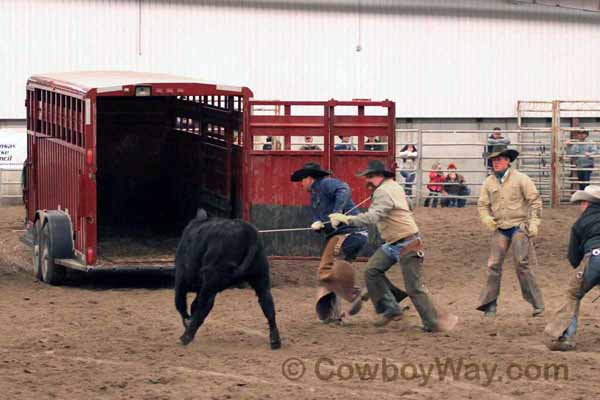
(531,229)
(489,222)
(317,226)
(338,218)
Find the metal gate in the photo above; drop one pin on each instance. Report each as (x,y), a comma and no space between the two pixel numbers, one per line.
(281,136)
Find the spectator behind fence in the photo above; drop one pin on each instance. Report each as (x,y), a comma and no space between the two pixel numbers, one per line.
(373,144)
(495,140)
(456,189)
(309,145)
(345,145)
(272,144)
(408,154)
(583,153)
(436,176)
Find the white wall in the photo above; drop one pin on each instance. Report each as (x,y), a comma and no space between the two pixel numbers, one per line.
(435,58)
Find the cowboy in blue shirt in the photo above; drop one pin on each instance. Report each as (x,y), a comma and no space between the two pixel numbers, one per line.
(336,276)
(582,153)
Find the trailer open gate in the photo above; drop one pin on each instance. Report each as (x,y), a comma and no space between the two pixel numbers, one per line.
(57,137)
(279,143)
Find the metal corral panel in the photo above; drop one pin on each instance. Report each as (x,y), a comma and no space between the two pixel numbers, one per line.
(464,58)
(272,201)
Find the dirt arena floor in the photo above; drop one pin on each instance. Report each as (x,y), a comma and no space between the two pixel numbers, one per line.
(116,336)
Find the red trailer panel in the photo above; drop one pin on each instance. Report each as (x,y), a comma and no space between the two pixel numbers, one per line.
(130,157)
(272,201)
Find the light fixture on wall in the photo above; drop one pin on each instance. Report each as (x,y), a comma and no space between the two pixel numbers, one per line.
(358,47)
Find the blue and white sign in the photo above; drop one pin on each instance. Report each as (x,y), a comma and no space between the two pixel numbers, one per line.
(13,148)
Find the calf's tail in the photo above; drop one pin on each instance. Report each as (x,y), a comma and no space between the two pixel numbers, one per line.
(201,215)
(250,255)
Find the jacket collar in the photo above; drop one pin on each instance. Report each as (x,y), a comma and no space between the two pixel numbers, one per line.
(386,181)
(504,177)
(316,184)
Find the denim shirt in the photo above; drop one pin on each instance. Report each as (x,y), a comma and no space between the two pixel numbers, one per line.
(579,149)
(328,196)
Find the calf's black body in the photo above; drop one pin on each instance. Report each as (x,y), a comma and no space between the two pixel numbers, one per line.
(215,254)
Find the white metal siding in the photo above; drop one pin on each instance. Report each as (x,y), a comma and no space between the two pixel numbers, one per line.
(434,58)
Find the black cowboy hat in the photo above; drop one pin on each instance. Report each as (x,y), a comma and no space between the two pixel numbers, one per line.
(309,169)
(376,167)
(503,151)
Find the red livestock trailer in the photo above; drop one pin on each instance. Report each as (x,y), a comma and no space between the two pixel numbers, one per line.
(119,162)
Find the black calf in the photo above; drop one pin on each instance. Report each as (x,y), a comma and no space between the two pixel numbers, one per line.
(213,255)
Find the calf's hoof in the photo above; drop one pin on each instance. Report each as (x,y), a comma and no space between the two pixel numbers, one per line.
(185,339)
(276,344)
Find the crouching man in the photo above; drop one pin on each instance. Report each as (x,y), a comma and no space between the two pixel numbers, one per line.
(584,254)
(336,275)
(390,212)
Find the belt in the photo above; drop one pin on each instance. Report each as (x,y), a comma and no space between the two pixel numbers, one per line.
(413,236)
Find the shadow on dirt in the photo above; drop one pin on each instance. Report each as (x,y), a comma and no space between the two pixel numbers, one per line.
(119,280)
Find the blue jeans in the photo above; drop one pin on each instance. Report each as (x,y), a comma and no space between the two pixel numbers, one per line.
(591,278)
(584,176)
(409,178)
(433,198)
(509,232)
(454,202)
(353,245)
(393,250)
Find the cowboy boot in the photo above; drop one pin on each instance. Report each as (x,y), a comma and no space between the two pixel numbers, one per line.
(490,310)
(356,304)
(384,319)
(562,344)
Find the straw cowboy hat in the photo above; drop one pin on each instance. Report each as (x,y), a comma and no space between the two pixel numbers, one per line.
(590,194)
(376,167)
(503,151)
(309,169)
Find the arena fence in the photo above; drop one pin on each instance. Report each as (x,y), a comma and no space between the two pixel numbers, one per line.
(546,155)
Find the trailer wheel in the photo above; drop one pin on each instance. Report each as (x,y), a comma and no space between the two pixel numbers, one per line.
(52,273)
(37,244)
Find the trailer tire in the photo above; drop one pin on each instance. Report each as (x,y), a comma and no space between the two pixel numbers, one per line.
(52,274)
(36,251)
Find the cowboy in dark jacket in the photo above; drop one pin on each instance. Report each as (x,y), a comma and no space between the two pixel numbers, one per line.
(336,276)
(584,255)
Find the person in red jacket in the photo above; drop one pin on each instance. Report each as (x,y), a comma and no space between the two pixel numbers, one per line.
(436,176)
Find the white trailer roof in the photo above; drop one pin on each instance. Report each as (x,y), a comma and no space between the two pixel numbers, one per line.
(87,80)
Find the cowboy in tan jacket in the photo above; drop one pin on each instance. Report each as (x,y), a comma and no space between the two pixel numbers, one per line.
(390,212)
(509,206)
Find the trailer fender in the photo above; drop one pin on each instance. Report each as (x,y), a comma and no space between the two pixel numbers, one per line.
(60,230)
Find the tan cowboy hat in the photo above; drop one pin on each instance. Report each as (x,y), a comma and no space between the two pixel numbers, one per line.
(503,151)
(591,194)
